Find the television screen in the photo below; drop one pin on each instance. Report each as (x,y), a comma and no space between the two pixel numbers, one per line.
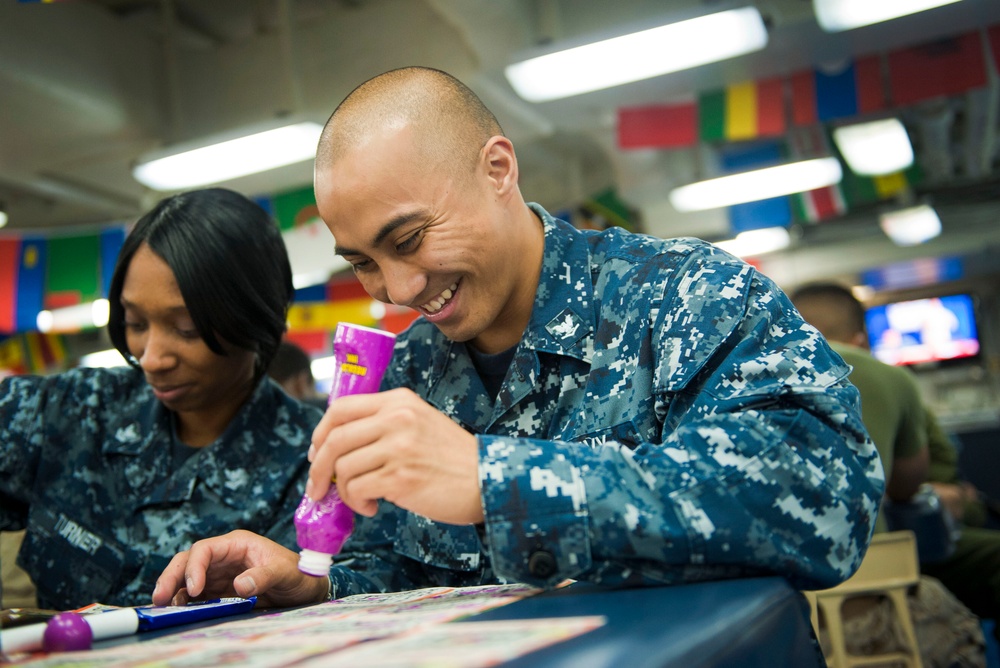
(920,331)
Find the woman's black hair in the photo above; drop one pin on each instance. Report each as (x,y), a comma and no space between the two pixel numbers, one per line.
(231,266)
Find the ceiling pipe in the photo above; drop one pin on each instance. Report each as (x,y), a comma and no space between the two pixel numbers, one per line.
(57,189)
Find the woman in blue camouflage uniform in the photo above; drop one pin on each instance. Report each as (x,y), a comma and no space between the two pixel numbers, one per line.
(113,471)
(601,406)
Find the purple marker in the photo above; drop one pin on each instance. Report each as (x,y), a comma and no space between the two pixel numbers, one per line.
(361,356)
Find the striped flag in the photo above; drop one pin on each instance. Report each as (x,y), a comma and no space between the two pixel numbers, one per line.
(30,282)
(658,126)
(823,203)
(820,204)
(295,208)
(112,240)
(72,272)
(937,69)
(610,209)
(860,190)
(742,111)
(854,89)
(773,212)
(44,351)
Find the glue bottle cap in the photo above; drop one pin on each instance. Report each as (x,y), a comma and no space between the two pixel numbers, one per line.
(315,563)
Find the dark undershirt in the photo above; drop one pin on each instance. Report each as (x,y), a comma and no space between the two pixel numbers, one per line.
(180,452)
(492,368)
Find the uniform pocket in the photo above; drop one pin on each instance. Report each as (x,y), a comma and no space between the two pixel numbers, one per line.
(72,565)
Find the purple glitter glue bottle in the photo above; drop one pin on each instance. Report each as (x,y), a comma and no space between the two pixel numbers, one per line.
(361,356)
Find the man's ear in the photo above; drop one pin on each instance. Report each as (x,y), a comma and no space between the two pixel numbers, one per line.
(860,340)
(500,164)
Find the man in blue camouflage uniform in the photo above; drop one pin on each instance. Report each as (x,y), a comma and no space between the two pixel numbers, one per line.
(605,406)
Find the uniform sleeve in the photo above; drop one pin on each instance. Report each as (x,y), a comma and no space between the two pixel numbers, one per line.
(295,423)
(762,465)
(21,406)
(368,562)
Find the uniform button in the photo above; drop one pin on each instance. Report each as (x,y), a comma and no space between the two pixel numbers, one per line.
(542,564)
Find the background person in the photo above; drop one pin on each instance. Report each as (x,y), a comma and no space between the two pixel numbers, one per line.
(112,471)
(601,406)
(972,572)
(291,368)
(892,408)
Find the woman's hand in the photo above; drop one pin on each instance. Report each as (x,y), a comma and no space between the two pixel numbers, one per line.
(240,563)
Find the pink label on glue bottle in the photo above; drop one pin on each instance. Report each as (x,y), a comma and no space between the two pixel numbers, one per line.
(361,356)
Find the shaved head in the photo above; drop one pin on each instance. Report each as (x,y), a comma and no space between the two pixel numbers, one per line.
(832,309)
(451,123)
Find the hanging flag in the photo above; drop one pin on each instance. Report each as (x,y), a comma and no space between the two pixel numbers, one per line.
(30,282)
(890,185)
(341,289)
(44,351)
(658,126)
(295,207)
(34,357)
(822,203)
(869,83)
(772,212)
(72,275)
(112,240)
(855,88)
(611,210)
(315,342)
(803,85)
(946,67)
(265,202)
(742,111)
(10,250)
(313,293)
(397,318)
(12,355)
(325,316)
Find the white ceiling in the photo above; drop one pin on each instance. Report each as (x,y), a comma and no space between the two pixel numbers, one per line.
(87,86)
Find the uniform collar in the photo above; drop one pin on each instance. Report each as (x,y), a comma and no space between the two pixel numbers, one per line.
(561,323)
(229,466)
(562,320)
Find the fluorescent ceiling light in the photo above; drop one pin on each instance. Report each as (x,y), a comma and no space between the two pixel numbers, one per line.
(640,55)
(875,148)
(104,358)
(759,184)
(757,242)
(911,226)
(838,15)
(179,169)
(74,318)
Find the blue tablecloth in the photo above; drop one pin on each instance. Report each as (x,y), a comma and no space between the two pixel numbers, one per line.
(749,622)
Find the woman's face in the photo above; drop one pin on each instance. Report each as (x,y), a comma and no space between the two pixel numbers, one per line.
(183,372)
